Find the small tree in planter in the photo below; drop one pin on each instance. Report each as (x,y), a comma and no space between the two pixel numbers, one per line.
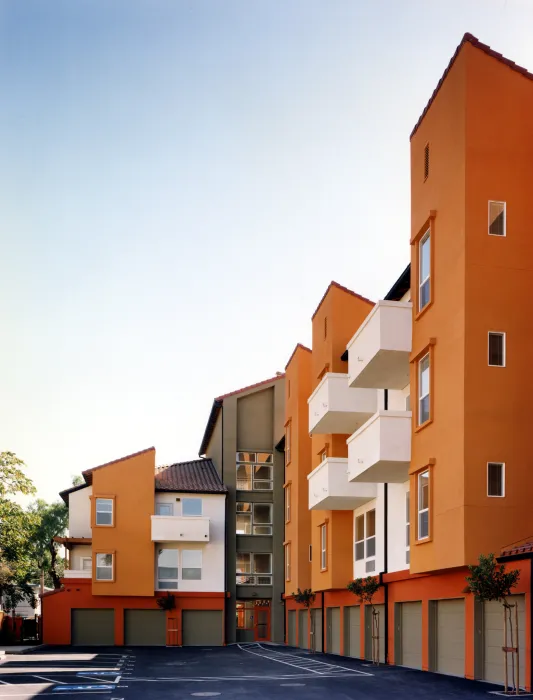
(488,581)
(365,589)
(307,598)
(166,602)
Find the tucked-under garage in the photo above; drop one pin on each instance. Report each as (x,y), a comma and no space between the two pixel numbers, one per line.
(291,628)
(447,636)
(202,628)
(316,629)
(333,619)
(380,611)
(145,628)
(492,633)
(303,629)
(352,631)
(92,626)
(409,634)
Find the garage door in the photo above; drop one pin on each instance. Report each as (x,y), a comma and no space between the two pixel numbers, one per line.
(411,634)
(493,668)
(291,631)
(145,628)
(380,610)
(303,629)
(316,629)
(352,631)
(202,628)
(450,651)
(333,618)
(93,627)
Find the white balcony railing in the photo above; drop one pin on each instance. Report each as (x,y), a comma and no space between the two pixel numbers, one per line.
(254,579)
(329,488)
(77,573)
(380,451)
(334,408)
(378,354)
(175,528)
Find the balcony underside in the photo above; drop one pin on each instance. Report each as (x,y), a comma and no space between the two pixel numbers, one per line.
(388,369)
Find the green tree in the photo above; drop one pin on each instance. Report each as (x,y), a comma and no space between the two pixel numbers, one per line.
(50,522)
(365,589)
(77,480)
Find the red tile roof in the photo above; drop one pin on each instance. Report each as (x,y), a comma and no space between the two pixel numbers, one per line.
(344,289)
(198,476)
(88,473)
(300,347)
(517,549)
(470,38)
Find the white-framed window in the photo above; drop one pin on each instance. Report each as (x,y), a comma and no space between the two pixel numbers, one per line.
(423,505)
(167,569)
(497,219)
(496,349)
(254,569)
(323,547)
(191,507)
(287,503)
(104,567)
(496,479)
(255,471)
(407,528)
(360,538)
(254,518)
(365,538)
(164,509)
(104,511)
(191,565)
(424,271)
(288,562)
(288,443)
(86,564)
(423,389)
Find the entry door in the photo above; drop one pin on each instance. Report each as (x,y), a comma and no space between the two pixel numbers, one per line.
(262,624)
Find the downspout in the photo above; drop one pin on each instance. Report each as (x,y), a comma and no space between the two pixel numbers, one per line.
(323,624)
(226,591)
(386,553)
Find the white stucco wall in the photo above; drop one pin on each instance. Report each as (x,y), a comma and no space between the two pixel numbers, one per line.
(77,553)
(79,513)
(396,527)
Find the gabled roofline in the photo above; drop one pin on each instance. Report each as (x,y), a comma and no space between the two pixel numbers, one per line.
(471,39)
(88,473)
(344,289)
(298,346)
(65,494)
(401,286)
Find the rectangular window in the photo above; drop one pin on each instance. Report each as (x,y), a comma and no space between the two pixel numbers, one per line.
(423,390)
(245,614)
(244,477)
(104,567)
(254,518)
(262,478)
(287,562)
(359,538)
(424,271)
(167,569)
(423,505)
(191,565)
(288,503)
(407,527)
(191,507)
(323,547)
(496,349)
(288,443)
(257,475)
(496,479)
(254,569)
(104,511)
(426,161)
(497,219)
(164,509)
(86,564)
(370,534)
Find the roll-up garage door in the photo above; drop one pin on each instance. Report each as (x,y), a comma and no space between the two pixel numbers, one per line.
(201,628)
(146,628)
(380,610)
(291,632)
(411,634)
(316,629)
(493,667)
(303,629)
(450,652)
(352,631)
(333,618)
(90,627)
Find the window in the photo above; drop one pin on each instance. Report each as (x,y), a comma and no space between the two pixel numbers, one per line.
(104,567)
(496,479)
(167,569)
(424,271)
(164,509)
(254,471)
(497,219)
(86,564)
(288,503)
(104,511)
(359,538)
(254,569)
(423,505)
(191,507)
(245,614)
(496,349)
(423,390)
(288,443)
(426,161)
(407,528)
(310,552)
(288,562)
(323,547)
(365,536)
(254,518)
(191,565)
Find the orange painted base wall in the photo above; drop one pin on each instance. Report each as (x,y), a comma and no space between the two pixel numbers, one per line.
(402,588)
(57,607)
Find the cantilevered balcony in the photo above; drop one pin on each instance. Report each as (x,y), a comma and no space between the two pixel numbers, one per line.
(378,354)
(334,408)
(380,451)
(329,488)
(175,528)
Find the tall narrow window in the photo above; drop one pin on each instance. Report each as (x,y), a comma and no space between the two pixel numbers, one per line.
(423,390)
(326,327)
(370,534)
(310,552)
(288,443)
(497,349)
(496,479)
(359,538)
(423,505)
(288,562)
(167,569)
(287,503)
(426,161)
(323,547)
(497,219)
(407,527)
(424,271)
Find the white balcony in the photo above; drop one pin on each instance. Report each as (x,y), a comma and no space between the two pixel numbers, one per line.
(329,488)
(380,451)
(77,573)
(378,354)
(175,528)
(334,408)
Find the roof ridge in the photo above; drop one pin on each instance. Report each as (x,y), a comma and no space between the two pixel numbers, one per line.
(120,459)
(344,289)
(297,347)
(281,375)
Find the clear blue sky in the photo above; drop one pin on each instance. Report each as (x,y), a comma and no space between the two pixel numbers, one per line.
(179,182)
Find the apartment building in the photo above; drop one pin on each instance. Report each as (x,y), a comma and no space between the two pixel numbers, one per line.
(138,534)
(244,439)
(419,453)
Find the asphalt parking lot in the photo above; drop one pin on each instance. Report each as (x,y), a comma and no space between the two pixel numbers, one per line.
(232,673)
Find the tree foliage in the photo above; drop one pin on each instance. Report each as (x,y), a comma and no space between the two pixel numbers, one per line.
(77,480)
(51,521)
(364,588)
(488,580)
(305,597)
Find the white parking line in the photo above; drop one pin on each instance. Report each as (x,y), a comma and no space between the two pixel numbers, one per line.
(49,680)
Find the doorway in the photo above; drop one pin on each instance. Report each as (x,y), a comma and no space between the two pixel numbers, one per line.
(262,624)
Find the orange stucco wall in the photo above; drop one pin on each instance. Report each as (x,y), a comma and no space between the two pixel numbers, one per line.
(131,483)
